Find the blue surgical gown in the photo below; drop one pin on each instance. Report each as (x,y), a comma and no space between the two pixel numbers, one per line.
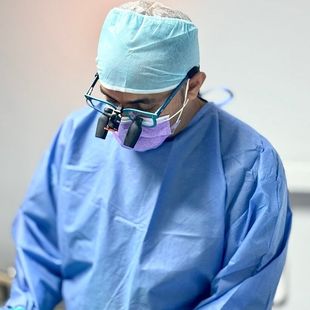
(202,222)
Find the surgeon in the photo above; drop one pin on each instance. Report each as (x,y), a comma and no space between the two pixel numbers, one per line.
(152,198)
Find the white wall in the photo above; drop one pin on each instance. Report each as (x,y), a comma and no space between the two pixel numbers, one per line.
(47,59)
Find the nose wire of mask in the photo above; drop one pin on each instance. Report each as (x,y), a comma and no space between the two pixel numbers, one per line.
(180,112)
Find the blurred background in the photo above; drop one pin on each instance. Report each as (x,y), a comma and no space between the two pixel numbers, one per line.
(258,49)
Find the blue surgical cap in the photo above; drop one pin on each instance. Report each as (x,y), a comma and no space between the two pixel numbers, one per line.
(145,54)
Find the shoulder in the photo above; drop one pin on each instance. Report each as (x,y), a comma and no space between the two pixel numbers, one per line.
(245,151)
(254,174)
(79,119)
(75,139)
(77,127)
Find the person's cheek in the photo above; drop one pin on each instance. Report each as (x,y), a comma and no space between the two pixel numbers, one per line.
(176,105)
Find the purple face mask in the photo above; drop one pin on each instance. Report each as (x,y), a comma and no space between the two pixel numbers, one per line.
(150,137)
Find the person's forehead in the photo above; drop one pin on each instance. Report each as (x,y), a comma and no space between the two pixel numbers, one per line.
(125,96)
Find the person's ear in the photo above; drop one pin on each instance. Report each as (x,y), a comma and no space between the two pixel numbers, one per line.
(195,84)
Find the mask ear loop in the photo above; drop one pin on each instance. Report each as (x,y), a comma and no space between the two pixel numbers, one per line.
(185,102)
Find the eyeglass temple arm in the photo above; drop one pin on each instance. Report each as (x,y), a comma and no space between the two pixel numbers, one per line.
(93,84)
(189,75)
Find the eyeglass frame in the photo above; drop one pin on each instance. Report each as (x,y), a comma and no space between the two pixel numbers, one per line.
(151,115)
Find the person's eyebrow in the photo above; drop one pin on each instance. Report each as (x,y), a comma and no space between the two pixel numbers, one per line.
(137,101)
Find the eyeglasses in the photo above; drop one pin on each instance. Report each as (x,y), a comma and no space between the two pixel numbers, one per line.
(149,119)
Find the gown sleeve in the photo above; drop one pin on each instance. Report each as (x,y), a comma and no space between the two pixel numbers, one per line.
(37,284)
(258,227)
